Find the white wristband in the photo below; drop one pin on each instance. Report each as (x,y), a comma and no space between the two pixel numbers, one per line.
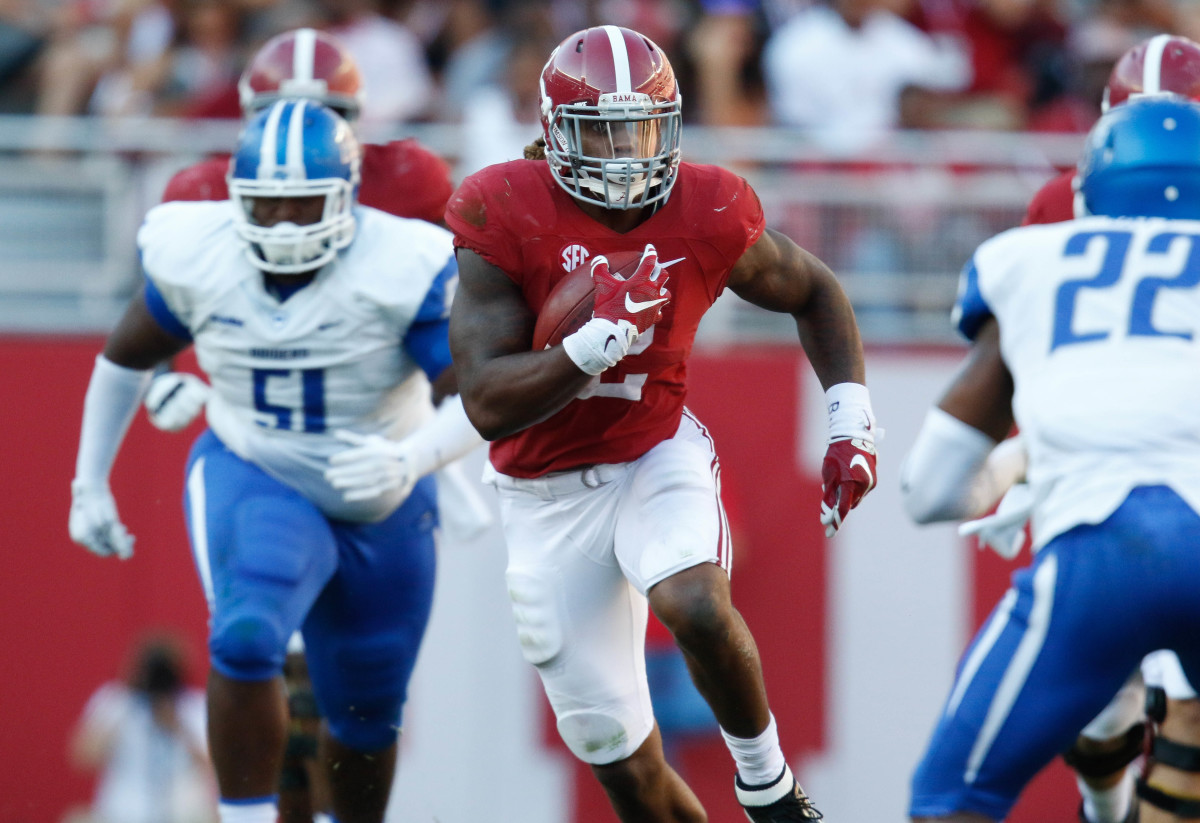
(447,436)
(850,414)
(600,344)
(112,399)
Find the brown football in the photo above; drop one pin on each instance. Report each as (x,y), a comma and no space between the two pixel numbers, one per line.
(569,304)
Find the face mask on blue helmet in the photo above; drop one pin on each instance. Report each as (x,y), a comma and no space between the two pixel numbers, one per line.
(296,148)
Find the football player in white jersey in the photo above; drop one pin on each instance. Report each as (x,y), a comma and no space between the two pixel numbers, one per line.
(321,326)
(1093,352)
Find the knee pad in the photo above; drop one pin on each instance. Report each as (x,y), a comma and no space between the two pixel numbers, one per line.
(367,726)
(539,629)
(362,703)
(599,739)
(248,646)
(1103,764)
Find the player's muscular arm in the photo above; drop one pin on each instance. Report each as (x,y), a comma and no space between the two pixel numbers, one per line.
(777,274)
(138,341)
(114,392)
(980,395)
(505,387)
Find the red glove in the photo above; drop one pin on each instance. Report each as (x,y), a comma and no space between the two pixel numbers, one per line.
(638,300)
(847,474)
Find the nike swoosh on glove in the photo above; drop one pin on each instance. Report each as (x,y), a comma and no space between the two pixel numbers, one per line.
(175,399)
(847,474)
(638,300)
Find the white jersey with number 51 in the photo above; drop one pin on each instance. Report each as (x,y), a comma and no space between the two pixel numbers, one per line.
(350,350)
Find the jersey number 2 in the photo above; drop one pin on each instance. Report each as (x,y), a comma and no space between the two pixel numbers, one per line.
(312,392)
(1141,311)
(630,386)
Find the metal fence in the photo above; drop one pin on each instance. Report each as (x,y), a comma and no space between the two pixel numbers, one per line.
(896,224)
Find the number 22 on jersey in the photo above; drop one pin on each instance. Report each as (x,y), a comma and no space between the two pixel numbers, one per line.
(1151,271)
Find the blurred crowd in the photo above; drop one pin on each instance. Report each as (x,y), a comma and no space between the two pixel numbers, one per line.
(841,68)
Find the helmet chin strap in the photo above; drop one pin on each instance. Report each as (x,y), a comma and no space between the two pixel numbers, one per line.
(288,249)
(289,246)
(619,182)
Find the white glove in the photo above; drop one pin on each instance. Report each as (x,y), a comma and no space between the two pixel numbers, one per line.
(175,399)
(373,465)
(1004,531)
(94,523)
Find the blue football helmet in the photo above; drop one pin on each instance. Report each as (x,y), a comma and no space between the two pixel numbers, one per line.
(1142,159)
(296,148)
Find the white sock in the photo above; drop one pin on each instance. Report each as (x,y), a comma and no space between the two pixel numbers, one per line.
(759,759)
(251,810)
(1107,805)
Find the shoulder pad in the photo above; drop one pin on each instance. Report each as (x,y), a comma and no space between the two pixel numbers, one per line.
(405,179)
(174,235)
(392,258)
(203,181)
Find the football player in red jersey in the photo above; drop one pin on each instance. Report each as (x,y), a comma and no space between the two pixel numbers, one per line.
(401,177)
(1163,63)
(609,486)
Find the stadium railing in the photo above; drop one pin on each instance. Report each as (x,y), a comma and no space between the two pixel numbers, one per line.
(896,222)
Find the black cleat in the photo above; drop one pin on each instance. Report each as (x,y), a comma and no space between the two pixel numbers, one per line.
(779,801)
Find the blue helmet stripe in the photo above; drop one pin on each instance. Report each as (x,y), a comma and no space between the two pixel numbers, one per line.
(268,160)
(279,146)
(294,148)
(296,140)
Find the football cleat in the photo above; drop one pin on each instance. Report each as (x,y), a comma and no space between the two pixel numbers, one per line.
(780,801)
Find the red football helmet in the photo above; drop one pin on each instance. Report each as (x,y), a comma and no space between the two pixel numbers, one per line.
(611,118)
(1164,63)
(303,63)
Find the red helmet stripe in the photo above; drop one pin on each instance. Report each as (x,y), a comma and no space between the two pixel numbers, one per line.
(620,58)
(304,54)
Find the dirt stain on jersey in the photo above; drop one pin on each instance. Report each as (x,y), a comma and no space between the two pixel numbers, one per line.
(472,209)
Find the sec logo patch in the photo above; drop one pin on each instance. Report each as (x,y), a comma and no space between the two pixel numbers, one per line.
(573,256)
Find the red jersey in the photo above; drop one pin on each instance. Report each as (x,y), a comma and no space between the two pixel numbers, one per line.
(401,178)
(1054,202)
(518,218)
